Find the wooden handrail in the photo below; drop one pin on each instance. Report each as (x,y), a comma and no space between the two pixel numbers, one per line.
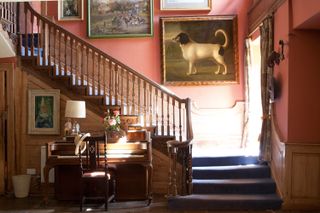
(103,75)
(100,75)
(90,46)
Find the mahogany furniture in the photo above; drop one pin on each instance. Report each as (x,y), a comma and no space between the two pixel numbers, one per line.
(132,161)
(94,169)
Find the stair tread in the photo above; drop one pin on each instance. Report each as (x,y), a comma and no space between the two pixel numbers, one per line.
(230,167)
(225,202)
(224,160)
(230,197)
(234,181)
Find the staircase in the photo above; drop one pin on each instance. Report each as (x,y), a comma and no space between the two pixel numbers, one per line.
(82,71)
(229,183)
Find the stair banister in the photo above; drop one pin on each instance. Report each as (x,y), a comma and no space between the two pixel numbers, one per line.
(102,75)
(87,67)
(8,18)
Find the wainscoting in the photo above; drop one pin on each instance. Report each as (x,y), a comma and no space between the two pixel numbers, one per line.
(296,169)
(217,131)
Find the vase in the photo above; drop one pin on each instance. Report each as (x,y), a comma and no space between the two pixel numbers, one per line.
(113,136)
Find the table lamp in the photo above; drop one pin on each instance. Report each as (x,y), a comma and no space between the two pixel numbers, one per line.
(75,109)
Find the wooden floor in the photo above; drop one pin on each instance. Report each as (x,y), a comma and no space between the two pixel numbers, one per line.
(159,205)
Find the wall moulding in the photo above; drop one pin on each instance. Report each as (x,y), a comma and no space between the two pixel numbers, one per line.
(260,10)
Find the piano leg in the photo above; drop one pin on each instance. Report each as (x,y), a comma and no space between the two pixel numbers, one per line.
(149,180)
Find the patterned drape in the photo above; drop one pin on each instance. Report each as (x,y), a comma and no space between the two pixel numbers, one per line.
(247,68)
(266,48)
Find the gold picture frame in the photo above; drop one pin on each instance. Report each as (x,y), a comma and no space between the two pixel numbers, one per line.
(120,19)
(44,112)
(70,10)
(199,50)
(185,4)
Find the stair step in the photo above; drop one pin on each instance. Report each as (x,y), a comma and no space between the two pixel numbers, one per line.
(105,108)
(96,99)
(65,79)
(234,186)
(225,202)
(80,89)
(224,161)
(237,171)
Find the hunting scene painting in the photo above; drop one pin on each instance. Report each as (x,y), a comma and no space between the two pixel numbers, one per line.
(199,50)
(120,18)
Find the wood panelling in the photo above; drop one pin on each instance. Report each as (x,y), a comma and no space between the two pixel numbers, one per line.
(301,189)
(24,149)
(2,129)
(296,170)
(220,127)
(8,85)
(278,160)
(302,176)
(305,176)
(160,177)
(29,153)
(160,172)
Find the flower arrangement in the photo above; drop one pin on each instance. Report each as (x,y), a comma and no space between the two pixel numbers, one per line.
(112,120)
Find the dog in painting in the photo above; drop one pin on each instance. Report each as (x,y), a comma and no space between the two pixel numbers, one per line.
(193,51)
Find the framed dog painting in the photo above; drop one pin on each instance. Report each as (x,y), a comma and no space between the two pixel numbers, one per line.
(120,18)
(199,50)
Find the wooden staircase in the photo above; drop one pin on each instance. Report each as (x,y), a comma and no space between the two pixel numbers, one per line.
(84,72)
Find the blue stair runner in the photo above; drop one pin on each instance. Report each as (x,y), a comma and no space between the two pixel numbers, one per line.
(229,183)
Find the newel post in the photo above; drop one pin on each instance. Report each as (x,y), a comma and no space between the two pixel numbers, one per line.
(172,177)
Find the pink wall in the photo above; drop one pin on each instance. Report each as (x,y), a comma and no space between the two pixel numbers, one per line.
(281,72)
(297,109)
(306,14)
(304,87)
(143,54)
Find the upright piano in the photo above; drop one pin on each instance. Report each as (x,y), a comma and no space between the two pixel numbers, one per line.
(132,161)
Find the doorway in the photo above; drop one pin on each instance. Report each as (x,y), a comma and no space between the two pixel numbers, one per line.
(254,108)
(230,131)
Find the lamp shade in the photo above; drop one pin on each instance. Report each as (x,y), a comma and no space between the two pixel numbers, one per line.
(75,109)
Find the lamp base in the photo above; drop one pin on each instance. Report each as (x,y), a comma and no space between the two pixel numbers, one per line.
(75,128)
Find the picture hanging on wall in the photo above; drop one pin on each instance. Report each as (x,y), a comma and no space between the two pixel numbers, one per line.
(120,18)
(199,50)
(185,4)
(70,10)
(44,111)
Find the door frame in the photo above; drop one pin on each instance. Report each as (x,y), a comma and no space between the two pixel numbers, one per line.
(8,150)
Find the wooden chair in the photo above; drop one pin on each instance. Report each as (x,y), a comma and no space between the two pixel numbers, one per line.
(95,174)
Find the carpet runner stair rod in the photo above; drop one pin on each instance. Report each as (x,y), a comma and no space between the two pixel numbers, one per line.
(229,183)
